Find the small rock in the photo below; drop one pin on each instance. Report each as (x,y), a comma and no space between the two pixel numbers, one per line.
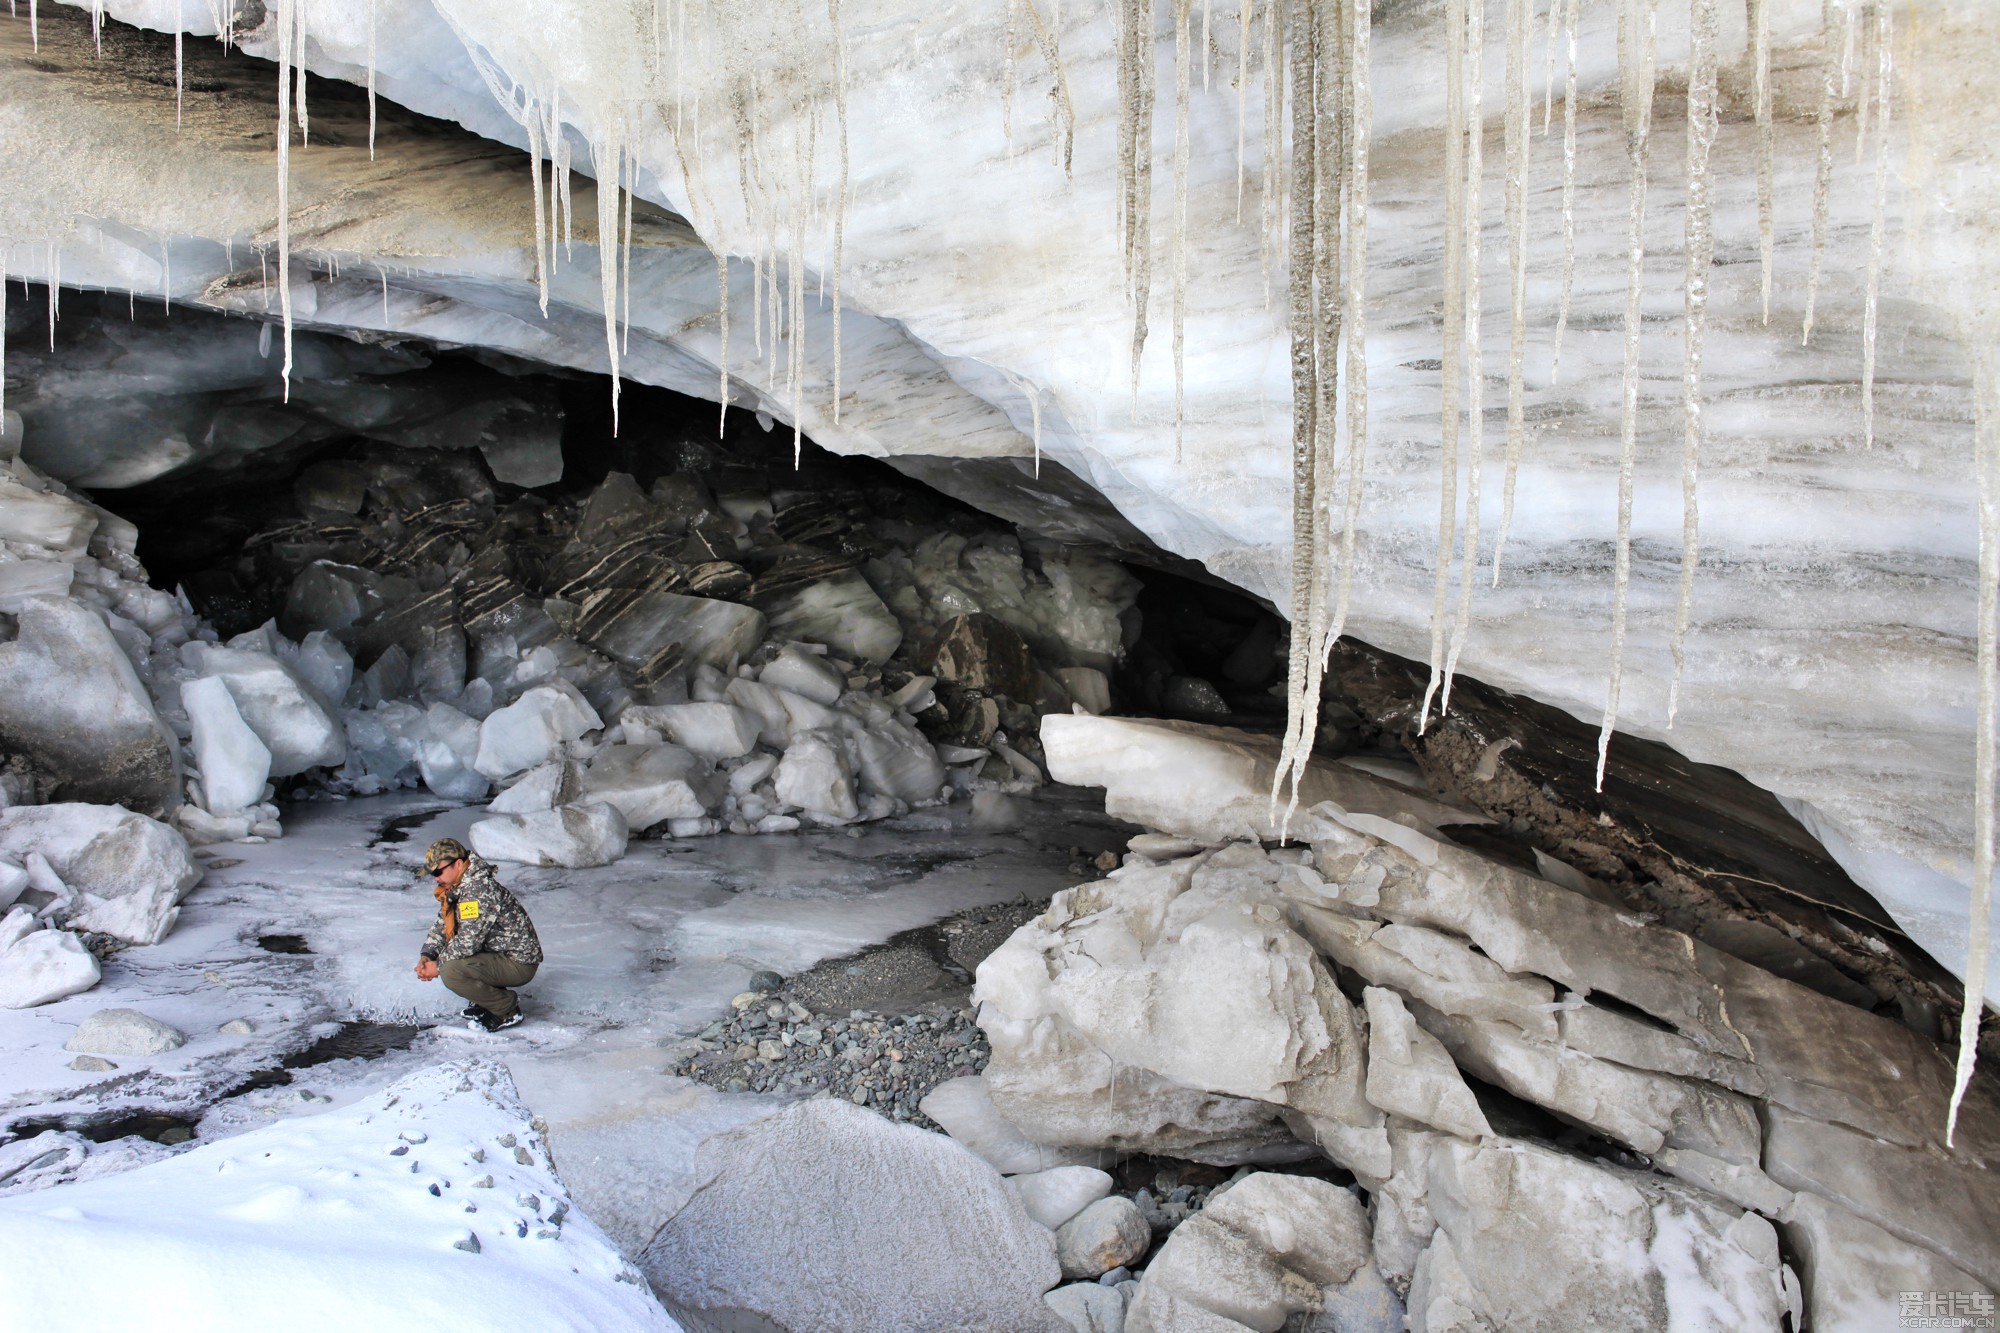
(531,1202)
(91,1064)
(123,1032)
(765,981)
(483,1183)
(237,1027)
(1089,1308)
(770,1051)
(478,1154)
(414,1136)
(524,1157)
(1106,861)
(468,1242)
(1103,1236)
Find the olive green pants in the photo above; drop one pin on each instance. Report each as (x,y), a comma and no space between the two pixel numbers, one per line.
(484,978)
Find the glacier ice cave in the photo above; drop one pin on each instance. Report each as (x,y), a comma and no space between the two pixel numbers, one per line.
(1309,665)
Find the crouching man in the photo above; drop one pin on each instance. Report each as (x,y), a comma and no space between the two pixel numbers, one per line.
(482,942)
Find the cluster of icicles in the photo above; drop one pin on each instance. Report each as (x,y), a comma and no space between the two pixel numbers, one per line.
(1313,61)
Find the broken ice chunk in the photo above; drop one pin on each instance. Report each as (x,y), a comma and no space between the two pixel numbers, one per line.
(234,764)
(897,761)
(531,730)
(651,783)
(278,706)
(802,673)
(711,730)
(445,756)
(815,775)
(1088,687)
(43,967)
(574,836)
(840,611)
(542,788)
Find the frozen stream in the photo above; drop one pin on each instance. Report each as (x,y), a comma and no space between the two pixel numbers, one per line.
(640,954)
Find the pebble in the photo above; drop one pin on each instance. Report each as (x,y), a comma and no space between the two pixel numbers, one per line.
(524,1157)
(237,1027)
(483,1183)
(92,1064)
(468,1242)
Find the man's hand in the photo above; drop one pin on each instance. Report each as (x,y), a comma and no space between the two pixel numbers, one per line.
(427,969)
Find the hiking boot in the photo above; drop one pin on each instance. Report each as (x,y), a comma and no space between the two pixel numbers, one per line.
(493,1023)
(471,1011)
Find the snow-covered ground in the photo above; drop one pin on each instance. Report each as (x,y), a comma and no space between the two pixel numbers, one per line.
(640,953)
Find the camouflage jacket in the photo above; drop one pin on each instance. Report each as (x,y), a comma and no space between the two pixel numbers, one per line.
(490,920)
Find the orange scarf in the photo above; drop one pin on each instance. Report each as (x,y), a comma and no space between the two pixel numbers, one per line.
(445,914)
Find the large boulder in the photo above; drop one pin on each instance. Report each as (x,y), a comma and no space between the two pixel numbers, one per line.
(234,764)
(531,731)
(44,966)
(825,1218)
(1170,1009)
(652,783)
(129,873)
(277,703)
(576,837)
(72,704)
(1531,1240)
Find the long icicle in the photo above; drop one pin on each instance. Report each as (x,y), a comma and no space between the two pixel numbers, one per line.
(371,79)
(180,69)
(534,125)
(1700,253)
(1635,58)
(1823,176)
(1520,23)
(1475,378)
(1245,9)
(1360,108)
(605,157)
(1760,91)
(287,23)
(1570,8)
(1986,781)
(722,357)
(840,200)
(1300,35)
(1182,74)
(1878,228)
(1451,336)
(1051,49)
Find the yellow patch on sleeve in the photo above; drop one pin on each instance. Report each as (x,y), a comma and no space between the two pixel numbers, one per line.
(468,911)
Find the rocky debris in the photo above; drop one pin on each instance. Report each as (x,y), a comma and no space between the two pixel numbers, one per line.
(883,1227)
(124,874)
(44,966)
(1108,1234)
(124,1032)
(887,1062)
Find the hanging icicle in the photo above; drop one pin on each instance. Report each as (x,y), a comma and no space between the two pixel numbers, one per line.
(1135,164)
(1878,227)
(371,83)
(1182,57)
(1636,38)
(1570,8)
(1699,246)
(1358,111)
(1245,9)
(1452,334)
(605,159)
(840,199)
(1520,24)
(1760,91)
(1475,374)
(180,67)
(1823,175)
(722,357)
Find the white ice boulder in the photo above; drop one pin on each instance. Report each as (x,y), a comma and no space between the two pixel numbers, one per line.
(1054,1196)
(1410,1074)
(325,664)
(30,516)
(652,783)
(124,1032)
(129,872)
(964,1109)
(803,673)
(532,729)
(711,730)
(13,880)
(573,836)
(896,760)
(541,788)
(445,755)
(1212,783)
(815,775)
(280,707)
(73,705)
(43,967)
(825,1216)
(233,763)
(16,926)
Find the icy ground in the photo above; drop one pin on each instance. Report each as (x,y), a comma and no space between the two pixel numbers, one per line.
(640,954)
